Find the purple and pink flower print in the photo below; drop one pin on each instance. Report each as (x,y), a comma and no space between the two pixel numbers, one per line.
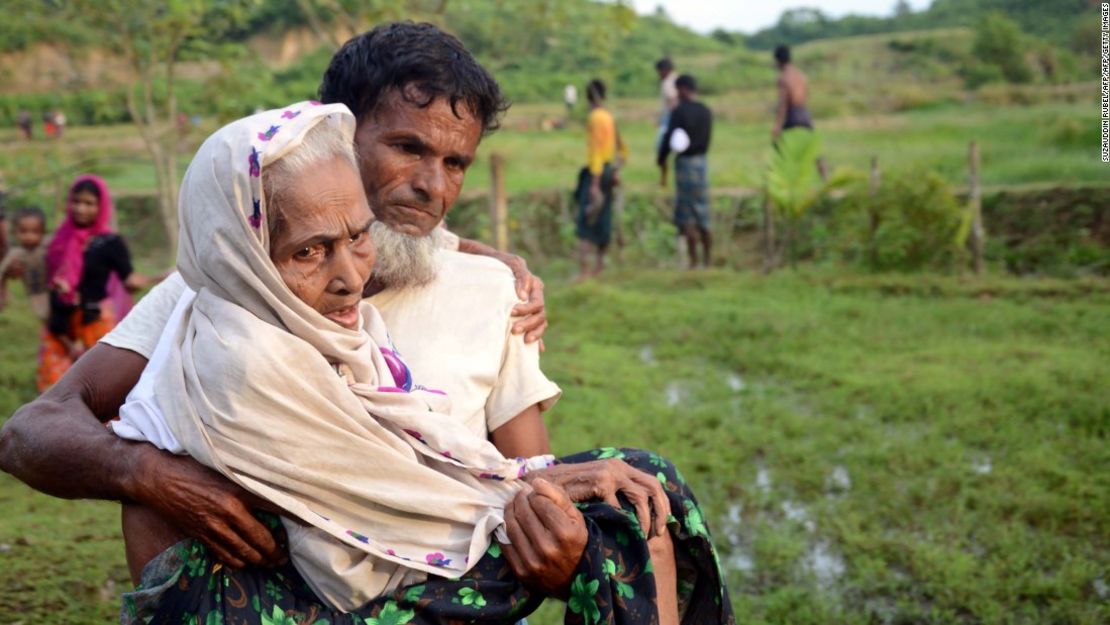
(269,134)
(252,161)
(256,217)
(437,559)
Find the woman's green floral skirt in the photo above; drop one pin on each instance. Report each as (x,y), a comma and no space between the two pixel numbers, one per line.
(613,582)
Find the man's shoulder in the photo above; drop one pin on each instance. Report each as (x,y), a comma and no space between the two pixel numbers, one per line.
(480,279)
(474,268)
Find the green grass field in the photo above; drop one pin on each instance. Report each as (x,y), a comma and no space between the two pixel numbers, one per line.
(868,449)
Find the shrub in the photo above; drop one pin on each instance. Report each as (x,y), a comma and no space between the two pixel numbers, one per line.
(978,74)
(912,222)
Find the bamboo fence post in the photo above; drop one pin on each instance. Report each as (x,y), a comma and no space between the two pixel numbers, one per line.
(976,206)
(499,203)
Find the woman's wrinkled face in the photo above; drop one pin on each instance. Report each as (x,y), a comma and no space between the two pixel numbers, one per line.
(84,206)
(322,249)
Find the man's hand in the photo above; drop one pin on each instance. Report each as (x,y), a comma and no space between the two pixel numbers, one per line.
(601,480)
(548,535)
(663,175)
(208,507)
(529,287)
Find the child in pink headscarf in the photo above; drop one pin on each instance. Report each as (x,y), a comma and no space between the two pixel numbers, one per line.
(88,268)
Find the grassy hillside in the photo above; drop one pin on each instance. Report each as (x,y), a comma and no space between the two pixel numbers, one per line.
(1058,21)
(867,449)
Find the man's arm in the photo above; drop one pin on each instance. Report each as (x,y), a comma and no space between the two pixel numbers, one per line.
(524,435)
(58,444)
(665,146)
(529,288)
(780,111)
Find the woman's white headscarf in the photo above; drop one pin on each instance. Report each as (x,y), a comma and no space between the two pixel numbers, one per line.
(384,482)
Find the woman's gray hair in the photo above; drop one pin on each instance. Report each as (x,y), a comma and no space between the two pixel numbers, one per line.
(322,142)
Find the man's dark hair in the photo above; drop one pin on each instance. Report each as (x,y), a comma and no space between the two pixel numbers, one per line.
(686,81)
(782,54)
(664,64)
(595,91)
(421,62)
(29,211)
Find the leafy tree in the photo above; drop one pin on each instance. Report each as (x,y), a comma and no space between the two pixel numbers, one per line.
(999,42)
(153,38)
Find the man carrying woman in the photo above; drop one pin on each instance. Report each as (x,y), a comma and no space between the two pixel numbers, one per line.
(417,130)
(279,377)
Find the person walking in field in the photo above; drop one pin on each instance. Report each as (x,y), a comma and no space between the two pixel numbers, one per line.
(668,95)
(25,123)
(90,277)
(605,153)
(570,98)
(792,111)
(26,261)
(793,94)
(687,135)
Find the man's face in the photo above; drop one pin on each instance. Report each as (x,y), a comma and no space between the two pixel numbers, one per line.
(414,159)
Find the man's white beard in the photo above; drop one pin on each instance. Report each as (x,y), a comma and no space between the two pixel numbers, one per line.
(403,260)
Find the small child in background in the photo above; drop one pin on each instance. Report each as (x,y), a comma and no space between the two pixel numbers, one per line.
(26,260)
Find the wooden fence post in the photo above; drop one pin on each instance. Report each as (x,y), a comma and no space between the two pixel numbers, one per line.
(975,199)
(769,260)
(873,213)
(499,203)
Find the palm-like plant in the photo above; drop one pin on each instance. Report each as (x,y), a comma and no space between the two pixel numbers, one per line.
(793,181)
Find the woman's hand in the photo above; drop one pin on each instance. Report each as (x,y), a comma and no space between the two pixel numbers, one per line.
(601,480)
(76,350)
(548,535)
